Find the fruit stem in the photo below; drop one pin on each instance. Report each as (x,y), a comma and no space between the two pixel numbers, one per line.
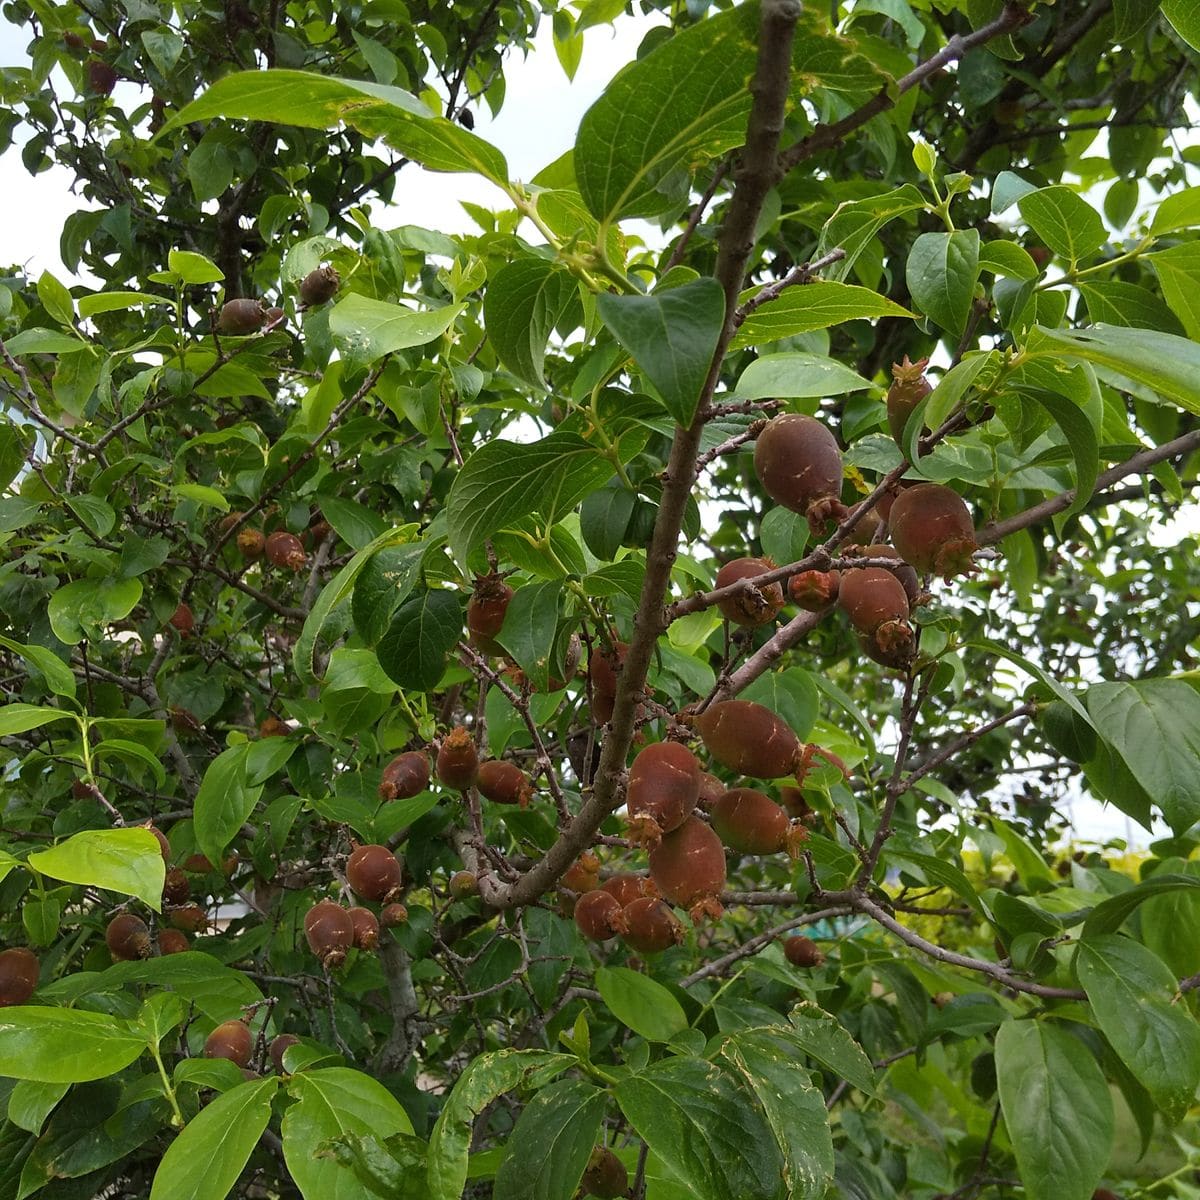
(177,1116)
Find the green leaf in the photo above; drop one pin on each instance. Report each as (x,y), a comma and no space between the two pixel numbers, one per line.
(551,1143)
(1130,16)
(791,693)
(55,299)
(1081,441)
(855,223)
(209,497)
(16,442)
(164,47)
(419,639)
(521,306)
(1007,258)
(224,802)
(822,1036)
(816,305)
(194,268)
(80,610)
(1114,302)
(800,375)
(683,104)
(1069,225)
(20,718)
(672,336)
(1178,271)
(32,1102)
(1185,17)
(1109,915)
(354,522)
(382,586)
(367,329)
(528,631)
(942,270)
(58,1045)
(128,861)
(1057,1109)
(1132,992)
(1024,857)
(1178,211)
(208,1156)
(44,341)
(641,1004)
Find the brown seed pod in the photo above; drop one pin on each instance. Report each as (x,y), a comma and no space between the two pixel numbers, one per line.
(874,600)
(909,388)
(190,917)
(711,790)
(177,888)
(272,726)
(688,868)
(748,821)
(330,932)
(606,1176)
(932,529)
(463,885)
(748,738)
(241,317)
(627,887)
(755,606)
(251,543)
(393,915)
(231,1040)
(457,760)
(172,941)
(285,550)
(319,286)
(503,783)
(599,916)
(366,928)
(583,875)
(374,873)
(664,785)
(279,1046)
(651,925)
(405,776)
(127,937)
(802,952)
(902,571)
(485,612)
(798,463)
(183,619)
(19,971)
(814,590)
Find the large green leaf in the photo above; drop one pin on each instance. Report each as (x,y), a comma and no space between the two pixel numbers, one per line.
(1178,271)
(1069,225)
(856,222)
(128,861)
(224,802)
(419,639)
(942,269)
(59,1045)
(822,1036)
(1133,996)
(1109,915)
(800,375)
(816,305)
(367,329)
(80,610)
(528,631)
(521,306)
(21,718)
(640,1003)
(1056,1107)
(1185,16)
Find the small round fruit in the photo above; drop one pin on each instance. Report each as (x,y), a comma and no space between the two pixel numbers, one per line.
(405,776)
(280,1045)
(603,668)
(101,76)
(172,941)
(177,888)
(599,915)
(583,875)
(457,760)
(319,286)
(749,739)
(651,925)
(330,932)
(272,726)
(814,590)
(274,317)
(664,785)
(503,783)
(393,915)
(127,937)
(798,463)
(374,873)
(251,543)
(909,388)
(606,1176)
(875,601)
(183,620)
(902,571)
(485,612)
(231,1040)
(239,318)
(19,971)
(932,529)
(464,885)
(802,952)
(711,790)
(748,821)
(755,605)
(688,868)
(190,917)
(366,928)
(627,887)
(285,550)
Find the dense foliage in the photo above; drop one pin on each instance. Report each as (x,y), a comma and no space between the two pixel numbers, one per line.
(466,731)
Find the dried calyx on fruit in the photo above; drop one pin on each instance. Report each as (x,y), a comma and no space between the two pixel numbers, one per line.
(231,1040)
(319,286)
(798,463)
(748,821)
(583,875)
(802,952)
(651,926)
(19,971)
(688,868)
(238,318)
(251,543)
(599,915)
(463,885)
(664,785)
(330,932)
(606,1176)
(932,529)
(366,928)
(755,605)
(407,775)
(814,590)
(127,937)
(457,759)
(503,783)
(748,738)
(285,550)
(874,600)
(909,388)
(393,915)
(374,873)
(485,612)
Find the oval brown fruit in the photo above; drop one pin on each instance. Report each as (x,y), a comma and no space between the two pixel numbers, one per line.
(374,873)
(876,603)
(749,739)
(457,759)
(711,790)
(19,971)
(802,952)
(239,318)
(599,916)
(651,926)
(486,611)
(902,571)
(799,465)
(183,620)
(748,821)
(664,785)
(909,388)
(279,1046)
(230,1040)
(285,550)
(406,776)
(393,915)
(319,286)
(366,928)
(754,606)
(688,868)
(172,941)
(583,875)
(127,937)
(606,1176)
(330,932)
(503,783)
(627,887)
(932,529)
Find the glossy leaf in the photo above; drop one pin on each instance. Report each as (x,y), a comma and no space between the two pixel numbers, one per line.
(128,861)
(419,639)
(59,1045)
(800,375)
(942,269)
(523,303)
(1064,221)
(224,802)
(637,1001)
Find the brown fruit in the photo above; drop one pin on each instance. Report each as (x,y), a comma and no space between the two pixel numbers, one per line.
(503,783)
(127,937)
(748,821)
(172,941)
(605,1176)
(874,600)
(1040,255)
(161,838)
(251,543)
(870,526)
(19,971)
(284,549)
(711,790)
(274,317)
(198,864)
(329,929)
(374,873)
(909,388)
(802,952)
(457,760)
(627,887)
(798,463)
(393,915)
(184,721)
(485,612)
(902,571)
(749,739)
(932,529)
(101,76)
(231,1040)
(405,776)
(664,785)
(688,867)
(651,925)
(599,915)
(176,887)
(238,318)
(279,1046)
(1104,1194)
(463,885)
(319,286)
(755,606)
(366,928)
(603,668)
(183,619)
(272,726)
(190,917)
(814,590)
(794,804)
(583,875)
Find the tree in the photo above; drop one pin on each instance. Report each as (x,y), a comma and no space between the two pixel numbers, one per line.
(537,714)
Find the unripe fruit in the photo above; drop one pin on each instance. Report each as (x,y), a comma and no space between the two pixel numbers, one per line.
(284,549)
(688,867)
(366,928)
(909,388)
(932,529)
(664,785)
(711,790)
(605,1176)
(748,821)
(874,600)
(190,917)
(463,885)
(176,887)
(755,606)
(749,739)
(627,887)
(272,726)
(802,952)
(393,915)
(798,463)
(172,941)
(902,571)
(183,619)
(127,937)
(19,971)
(405,776)
(814,590)
(651,925)
(599,915)
(238,318)
(251,543)
(485,612)
(583,875)
(278,1047)
(330,932)
(231,1040)
(457,760)
(319,286)
(101,77)
(374,873)
(503,783)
